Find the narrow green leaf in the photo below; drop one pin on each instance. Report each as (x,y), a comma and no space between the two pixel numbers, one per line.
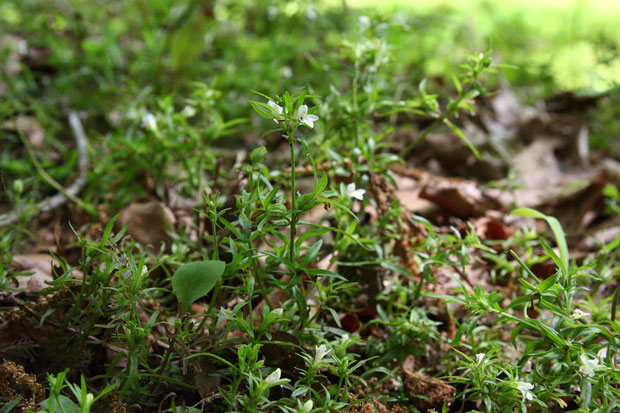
(466,141)
(558,232)
(7,408)
(108,230)
(311,233)
(312,253)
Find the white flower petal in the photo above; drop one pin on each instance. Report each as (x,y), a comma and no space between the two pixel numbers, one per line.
(320,353)
(587,366)
(304,118)
(364,22)
(525,387)
(273,377)
(577,314)
(188,111)
(275,107)
(355,193)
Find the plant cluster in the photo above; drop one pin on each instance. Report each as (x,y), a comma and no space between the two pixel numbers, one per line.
(299,279)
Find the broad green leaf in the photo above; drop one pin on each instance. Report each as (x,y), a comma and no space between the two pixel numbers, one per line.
(195,279)
(611,191)
(187,43)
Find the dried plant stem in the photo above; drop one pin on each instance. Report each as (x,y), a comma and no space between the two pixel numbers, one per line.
(64,194)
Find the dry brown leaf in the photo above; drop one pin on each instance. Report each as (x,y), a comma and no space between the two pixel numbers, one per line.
(538,170)
(408,193)
(41,267)
(148,223)
(463,199)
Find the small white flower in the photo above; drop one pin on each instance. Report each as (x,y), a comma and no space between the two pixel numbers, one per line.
(602,353)
(305,118)
(364,22)
(132,113)
(311,13)
(307,407)
(275,107)
(577,314)
(587,365)
(479,358)
(277,312)
(355,193)
(188,111)
(272,12)
(22,47)
(287,71)
(525,387)
(273,377)
(225,315)
(149,122)
(320,353)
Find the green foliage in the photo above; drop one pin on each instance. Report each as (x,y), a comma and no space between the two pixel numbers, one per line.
(201,106)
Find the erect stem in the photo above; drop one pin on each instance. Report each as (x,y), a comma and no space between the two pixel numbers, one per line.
(291,254)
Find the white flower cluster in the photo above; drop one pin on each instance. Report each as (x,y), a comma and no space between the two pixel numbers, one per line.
(302,114)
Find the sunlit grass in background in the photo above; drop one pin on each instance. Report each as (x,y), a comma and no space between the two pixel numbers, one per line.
(574,42)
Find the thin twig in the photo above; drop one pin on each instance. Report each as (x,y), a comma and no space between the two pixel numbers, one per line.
(63,194)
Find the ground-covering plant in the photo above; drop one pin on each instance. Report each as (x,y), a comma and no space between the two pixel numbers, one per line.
(268,143)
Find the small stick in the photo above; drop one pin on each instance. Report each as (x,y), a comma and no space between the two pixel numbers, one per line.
(63,194)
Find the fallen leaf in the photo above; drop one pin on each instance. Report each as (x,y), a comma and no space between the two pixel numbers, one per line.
(463,199)
(148,223)
(41,267)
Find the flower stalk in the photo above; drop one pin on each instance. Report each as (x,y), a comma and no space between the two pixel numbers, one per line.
(291,254)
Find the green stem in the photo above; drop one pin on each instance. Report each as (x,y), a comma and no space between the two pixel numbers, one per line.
(355,104)
(438,121)
(291,254)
